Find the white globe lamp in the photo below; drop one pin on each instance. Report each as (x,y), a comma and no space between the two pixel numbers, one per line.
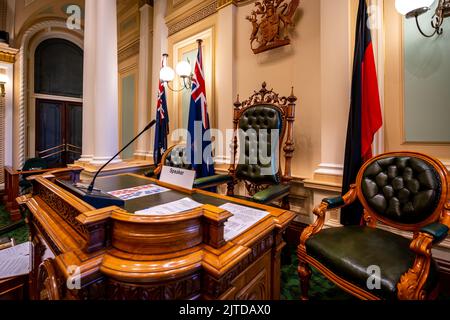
(413,8)
(166,74)
(183,69)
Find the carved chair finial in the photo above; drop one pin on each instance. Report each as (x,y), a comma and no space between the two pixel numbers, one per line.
(237,104)
(292,98)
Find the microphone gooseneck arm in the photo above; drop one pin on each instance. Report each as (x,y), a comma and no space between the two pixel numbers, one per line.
(151,124)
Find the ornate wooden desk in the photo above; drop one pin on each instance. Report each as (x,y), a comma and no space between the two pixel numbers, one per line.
(84,253)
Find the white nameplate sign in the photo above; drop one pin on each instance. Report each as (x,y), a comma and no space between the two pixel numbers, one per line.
(178,177)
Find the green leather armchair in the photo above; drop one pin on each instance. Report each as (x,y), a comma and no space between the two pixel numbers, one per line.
(261,124)
(406,191)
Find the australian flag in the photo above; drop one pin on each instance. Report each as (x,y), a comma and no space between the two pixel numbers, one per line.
(199,138)
(162,125)
(365,113)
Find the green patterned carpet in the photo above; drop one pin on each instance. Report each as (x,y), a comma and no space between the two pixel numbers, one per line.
(20,235)
(320,287)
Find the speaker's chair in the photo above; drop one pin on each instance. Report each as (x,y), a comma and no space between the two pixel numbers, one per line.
(261,125)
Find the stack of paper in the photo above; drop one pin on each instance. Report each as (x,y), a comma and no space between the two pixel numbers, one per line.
(170,208)
(15,261)
(243,219)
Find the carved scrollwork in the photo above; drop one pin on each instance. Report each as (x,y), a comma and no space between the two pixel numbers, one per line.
(215,287)
(48,284)
(254,188)
(256,289)
(369,219)
(265,96)
(315,228)
(67,212)
(186,288)
(412,282)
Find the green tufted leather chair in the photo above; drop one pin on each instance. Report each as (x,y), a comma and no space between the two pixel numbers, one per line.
(261,124)
(406,191)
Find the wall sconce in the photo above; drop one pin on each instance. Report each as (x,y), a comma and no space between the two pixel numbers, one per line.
(3,81)
(183,70)
(415,8)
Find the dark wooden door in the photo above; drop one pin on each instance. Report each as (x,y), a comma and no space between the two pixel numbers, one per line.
(58,131)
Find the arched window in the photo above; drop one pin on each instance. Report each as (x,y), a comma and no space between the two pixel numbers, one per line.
(59,68)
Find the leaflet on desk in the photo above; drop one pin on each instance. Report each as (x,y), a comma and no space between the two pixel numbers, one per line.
(15,261)
(138,192)
(243,217)
(170,208)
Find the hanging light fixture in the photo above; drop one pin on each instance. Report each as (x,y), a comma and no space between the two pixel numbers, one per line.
(415,8)
(183,70)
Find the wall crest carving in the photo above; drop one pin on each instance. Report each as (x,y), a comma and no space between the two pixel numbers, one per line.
(270,20)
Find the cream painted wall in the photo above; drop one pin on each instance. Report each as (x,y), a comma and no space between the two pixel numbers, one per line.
(308,64)
(296,65)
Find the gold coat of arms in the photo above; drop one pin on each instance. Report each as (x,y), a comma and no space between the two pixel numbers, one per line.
(270,20)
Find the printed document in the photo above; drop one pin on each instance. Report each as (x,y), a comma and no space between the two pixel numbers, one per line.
(170,208)
(243,219)
(15,261)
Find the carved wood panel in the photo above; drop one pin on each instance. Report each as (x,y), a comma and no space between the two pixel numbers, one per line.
(180,289)
(254,283)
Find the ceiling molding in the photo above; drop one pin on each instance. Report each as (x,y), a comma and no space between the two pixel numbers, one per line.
(183,18)
(129,50)
(190,12)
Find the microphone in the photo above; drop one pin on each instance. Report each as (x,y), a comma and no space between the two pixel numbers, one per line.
(148,127)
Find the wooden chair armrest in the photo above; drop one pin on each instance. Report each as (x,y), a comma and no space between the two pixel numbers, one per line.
(412,282)
(445,217)
(158,169)
(321,211)
(35,172)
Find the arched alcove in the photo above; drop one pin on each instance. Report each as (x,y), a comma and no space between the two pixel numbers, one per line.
(58,65)
(24,132)
(58,89)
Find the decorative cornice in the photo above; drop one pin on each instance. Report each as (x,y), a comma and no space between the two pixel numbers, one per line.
(190,12)
(7,57)
(7,54)
(199,15)
(129,50)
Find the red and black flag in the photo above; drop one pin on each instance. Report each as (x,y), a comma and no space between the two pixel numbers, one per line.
(365,112)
